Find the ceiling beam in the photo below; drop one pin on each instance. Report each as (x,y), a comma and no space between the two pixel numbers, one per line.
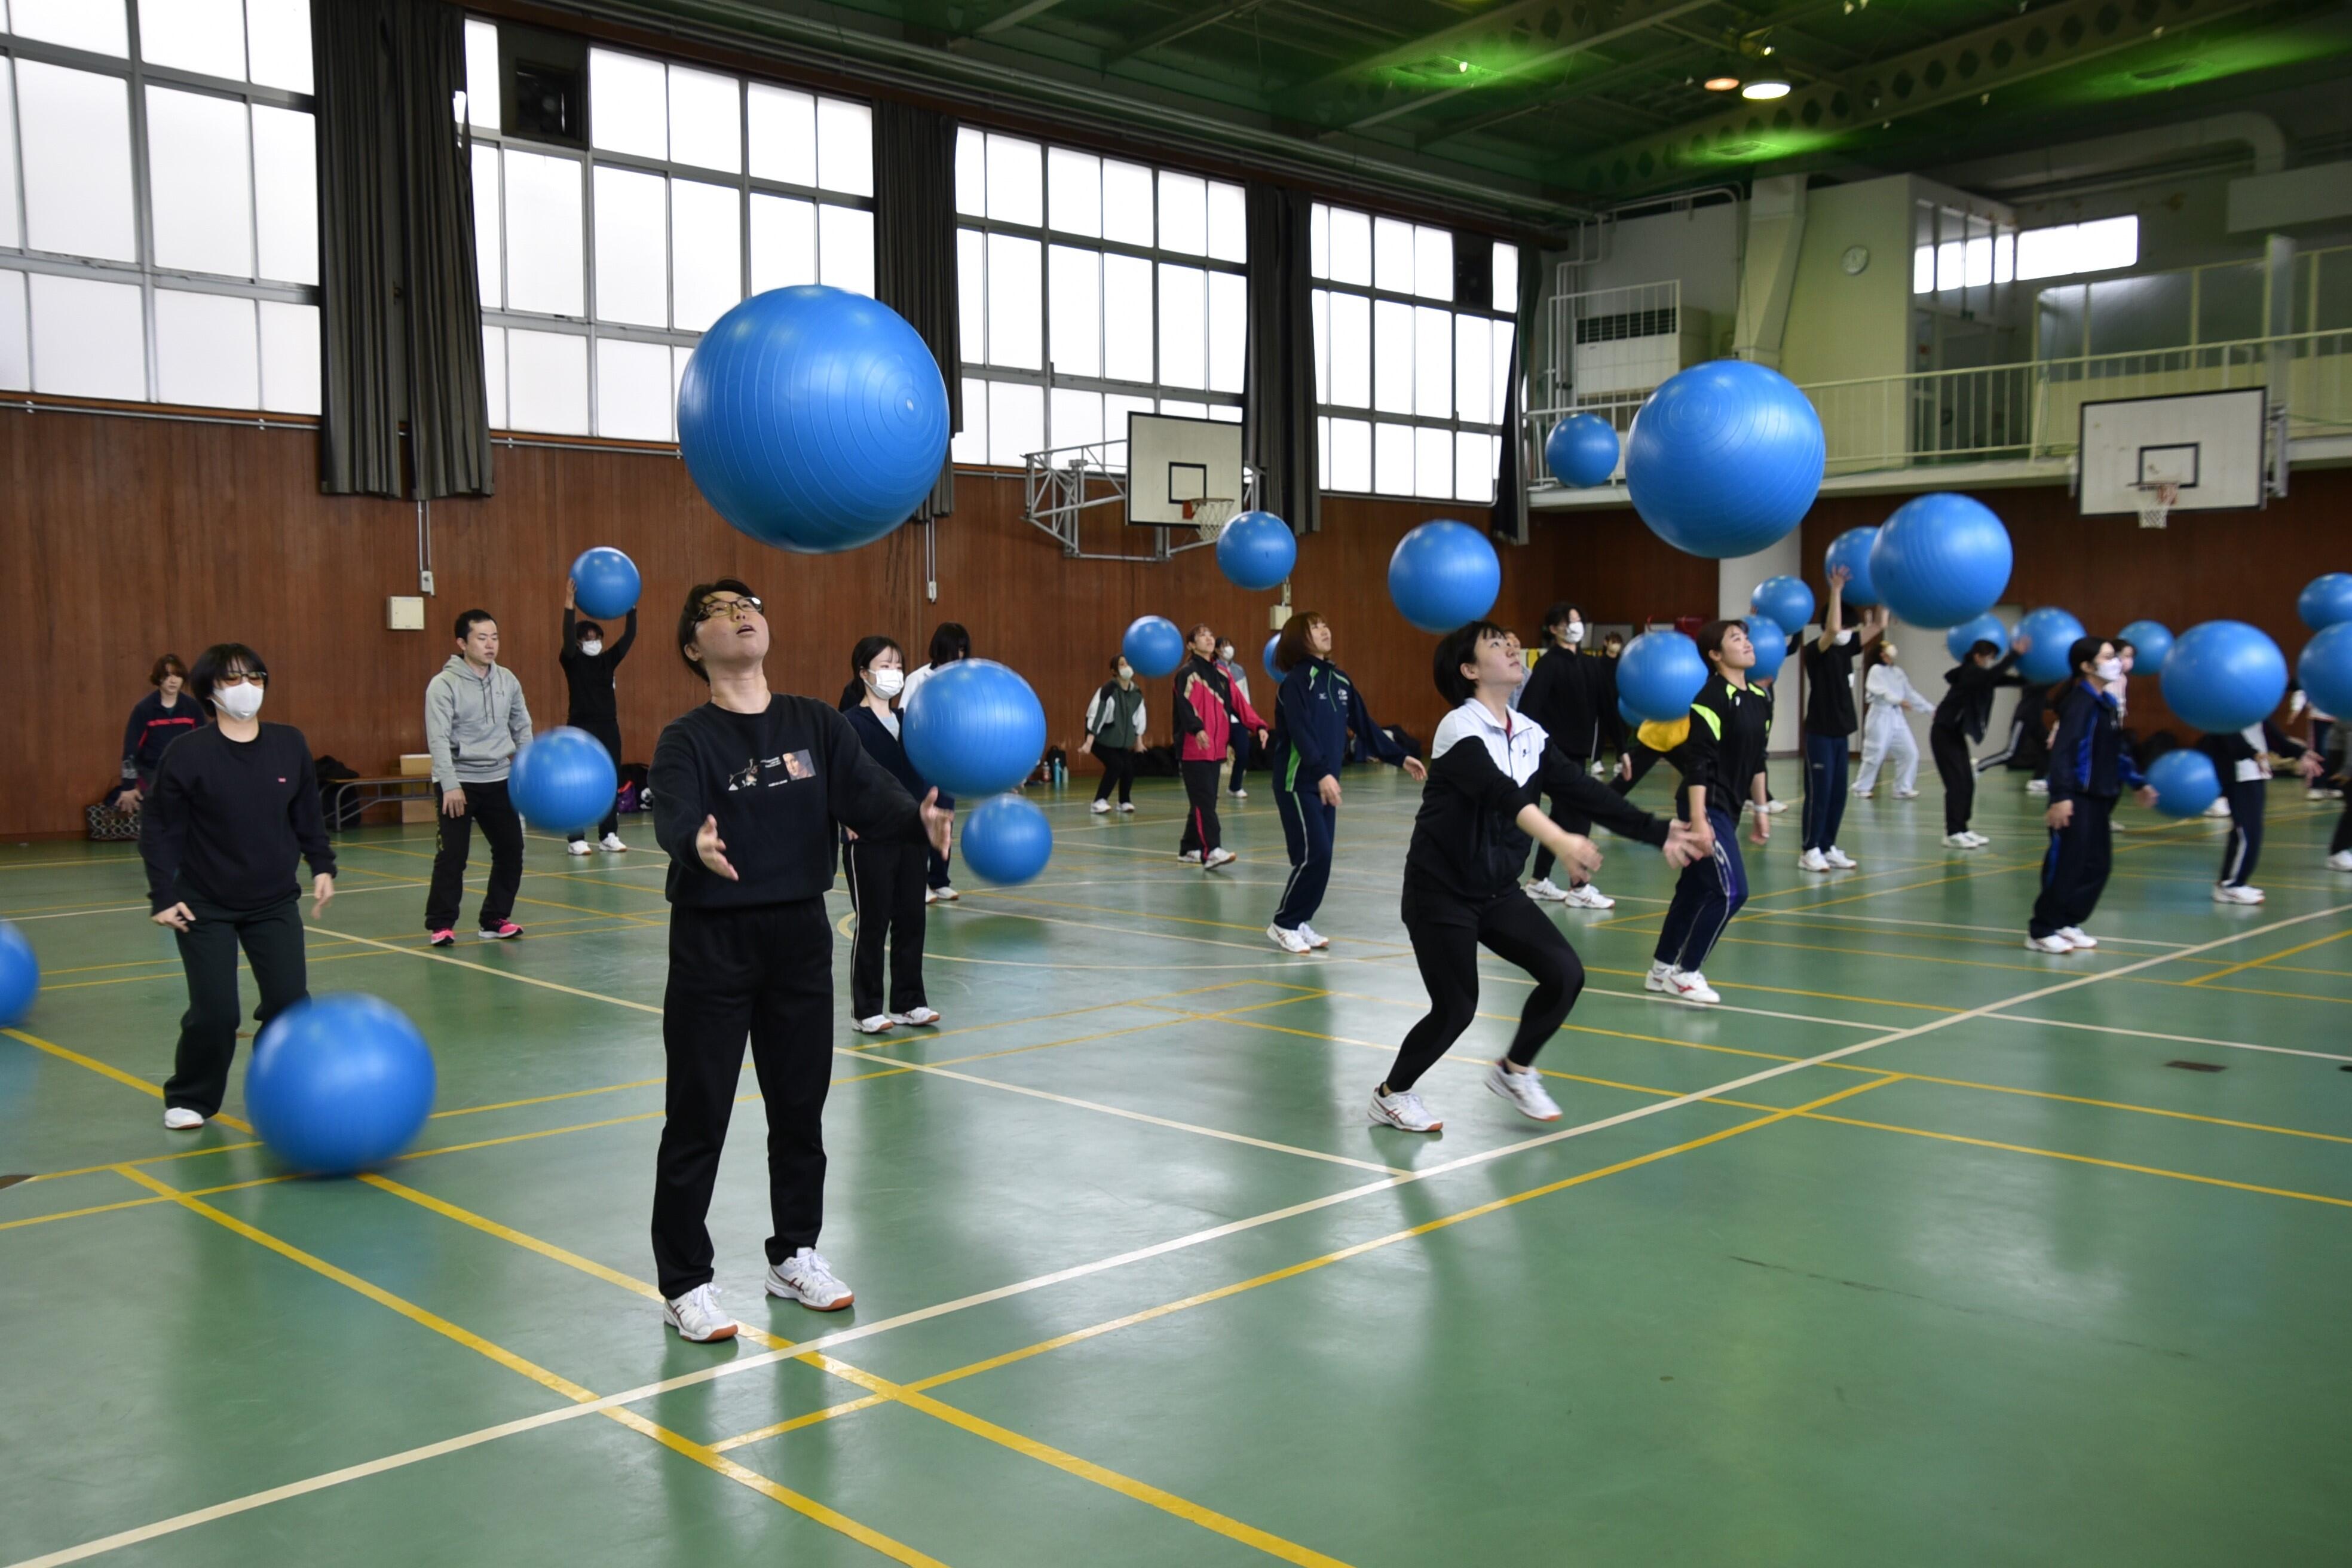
(1183,27)
(1410,49)
(1014,17)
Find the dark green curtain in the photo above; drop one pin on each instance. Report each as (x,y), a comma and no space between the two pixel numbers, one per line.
(400,316)
(915,249)
(1278,377)
(1509,519)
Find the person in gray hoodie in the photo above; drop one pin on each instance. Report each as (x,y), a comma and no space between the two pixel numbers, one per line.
(475,721)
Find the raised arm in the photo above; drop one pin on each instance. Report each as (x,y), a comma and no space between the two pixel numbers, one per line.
(620,650)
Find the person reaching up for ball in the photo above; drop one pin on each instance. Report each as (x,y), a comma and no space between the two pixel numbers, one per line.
(589,665)
(1959,718)
(1208,711)
(1829,725)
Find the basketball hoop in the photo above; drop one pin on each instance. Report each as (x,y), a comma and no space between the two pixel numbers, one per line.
(1209,514)
(2157,500)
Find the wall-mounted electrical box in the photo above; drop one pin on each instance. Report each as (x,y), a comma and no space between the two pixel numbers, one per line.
(404,613)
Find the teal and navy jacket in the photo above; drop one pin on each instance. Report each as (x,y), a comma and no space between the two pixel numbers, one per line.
(1313,713)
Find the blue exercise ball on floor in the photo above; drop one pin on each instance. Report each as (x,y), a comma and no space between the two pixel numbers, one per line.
(1581,450)
(974,728)
(1266,659)
(2324,668)
(2051,631)
(2223,675)
(1785,599)
(2184,782)
(1941,559)
(563,781)
(812,419)
(1153,646)
(1850,550)
(338,1083)
(20,975)
(1256,551)
(1968,634)
(1444,574)
(605,583)
(1006,840)
(1659,673)
(1724,458)
(1770,639)
(2325,601)
(2151,642)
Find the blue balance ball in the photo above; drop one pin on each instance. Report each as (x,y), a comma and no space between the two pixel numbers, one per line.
(2151,641)
(1772,642)
(2185,782)
(1006,840)
(563,781)
(2324,668)
(1256,551)
(1581,450)
(2052,633)
(338,1083)
(974,728)
(20,975)
(1968,634)
(1267,658)
(1724,458)
(1850,550)
(2223,675)
(1632,721)
(605,583)
(1785,599)
(1659,673)
(1153,646)
(1444,574)
(812,419)
(1940,560)
(2325,601)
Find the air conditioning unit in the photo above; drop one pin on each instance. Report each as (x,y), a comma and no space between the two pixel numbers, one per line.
(1621,353)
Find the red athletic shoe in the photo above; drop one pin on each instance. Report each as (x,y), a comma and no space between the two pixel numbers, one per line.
(505,930)
(445,938)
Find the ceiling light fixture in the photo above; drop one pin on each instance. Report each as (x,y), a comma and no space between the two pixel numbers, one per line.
(1721,83)
(1768,88)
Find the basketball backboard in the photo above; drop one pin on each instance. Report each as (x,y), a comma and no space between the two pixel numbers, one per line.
(1171,460)
(2209,446)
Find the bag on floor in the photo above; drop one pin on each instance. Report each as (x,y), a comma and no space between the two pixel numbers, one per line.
(331,773)
(109,825)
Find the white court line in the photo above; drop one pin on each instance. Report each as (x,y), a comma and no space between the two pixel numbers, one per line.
(2176,1039)
(1801,913)
(1175,1244)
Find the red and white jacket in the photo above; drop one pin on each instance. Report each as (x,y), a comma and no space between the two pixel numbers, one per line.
(1207,707)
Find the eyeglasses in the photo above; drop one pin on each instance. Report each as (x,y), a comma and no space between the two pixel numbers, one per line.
(241,677)
(712,609)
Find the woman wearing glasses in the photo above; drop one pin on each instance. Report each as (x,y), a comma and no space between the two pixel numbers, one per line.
(746,789)
(235,804)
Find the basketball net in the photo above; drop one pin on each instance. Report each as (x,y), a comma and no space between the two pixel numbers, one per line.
(2156,502)
(1209,515)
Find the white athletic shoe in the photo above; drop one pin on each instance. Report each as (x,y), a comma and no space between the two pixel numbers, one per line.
(2340,861)
(1190,858)
(1289,939)
(1585,896)
(1839,859)
(1100,808)
(1217,857)
(1126,805)
(180,1119)
(1657,977)
(1906,795)
(806,1278)
(876,1025)
(2220,806)
(2078,936)
(1690,985)
(2053,943)
(1976,839)
(1813,860)
(1314,938)
(1864,794)
(696,1316)
(1543,889)
(577,846)
(1776,807)
(2037,787)
(944,894)
(916,1016)
(1524,1088)
(2225,894)
(1238,794)
(612,841)
(1960,840)
(1598,770)
(2323,795)
(1403,1110)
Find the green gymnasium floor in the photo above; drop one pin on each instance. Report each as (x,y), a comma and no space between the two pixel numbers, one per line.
(1138,1283)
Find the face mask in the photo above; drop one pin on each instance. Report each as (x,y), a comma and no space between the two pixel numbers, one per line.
(1125,673)
(1575,633)
(1226,654)
(885,682)
(2109,669)
(592,647)
(242,700)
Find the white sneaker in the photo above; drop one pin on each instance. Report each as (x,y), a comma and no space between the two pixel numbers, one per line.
(1100,808)
(879,1024)
(1959,841)
(1524,1088)
(944,894)
(1906,795)
(1287,938)
(2224,894)
(2340,861)
(2037,787)
(1238,794)
(806,1278)
(1126,805)
(1864,794)
(1839,859)
(1976,840)
(2077,936)
(919,1017)
(1543,889)
(612,841)
(2221,808)
(1217,857)
(1190,858)
(1403,1110)
(2053,943)
(577,846)
(1585,896)
(1598,770)
(1314,938)
(1657,977)
(696,1316)
(1776,807)
(1813,860)
(180,1119)
(1690,985)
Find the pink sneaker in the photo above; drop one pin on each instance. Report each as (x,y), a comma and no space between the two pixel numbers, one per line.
(445,936)
(505,930)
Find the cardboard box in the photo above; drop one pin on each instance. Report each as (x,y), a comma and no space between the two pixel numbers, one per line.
(416,765)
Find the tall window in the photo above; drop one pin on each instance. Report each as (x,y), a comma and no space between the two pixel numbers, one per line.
(159,231)
(1091,288)
(602,268)
(1410,377)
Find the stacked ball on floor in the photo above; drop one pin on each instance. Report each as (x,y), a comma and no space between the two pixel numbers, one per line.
(1256,551)
(2051,632)
(2325,601)
(1007,840)
(563,781)
(1659,673)
(1725,459)
(1444,574)
(1581,450)
(1784,599)
(1968,634)
(1850,550)
(1940,560)
(2223,675)
(1153,646)
(20,975)
(338,1084)
(2184,782)
(605,583)
(974,728)
(2151,644)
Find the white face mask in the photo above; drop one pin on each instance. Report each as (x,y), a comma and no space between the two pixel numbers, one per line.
(242,700)
(1125,673)
(592,647)
(1226,654)
(885,682)
(2109,669)
(1574,633)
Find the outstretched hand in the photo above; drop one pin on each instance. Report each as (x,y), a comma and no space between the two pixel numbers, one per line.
(712,850)
(939,825)
(1415,769)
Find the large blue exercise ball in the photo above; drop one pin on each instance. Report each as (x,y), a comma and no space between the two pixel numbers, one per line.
(20,975)
(1850,550)
(974,728)
(563,781)
(1785,599)
(1581,450)
(604,583)
(812,419)
(1986,627)
(1943,558)
(1725,459)
(2325,601)
(2151,642)
(1632,721)
(2324,668)
(1444,574)
(2052,633)
(1770,639)
(2223,675)
(1006,840)
(1267,657)
(2184,782)
(1153,646)
(1256,551)
(338,1083)
(1659,673)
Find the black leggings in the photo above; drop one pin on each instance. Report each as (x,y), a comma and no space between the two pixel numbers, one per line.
(489,805)
(1951,749)
(1446,932)
(1118,772)
(272,939)
(1200,830)
(885,890)
(2244,849)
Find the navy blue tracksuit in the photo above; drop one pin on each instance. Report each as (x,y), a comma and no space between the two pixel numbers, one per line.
(2089,767)
(1313,713)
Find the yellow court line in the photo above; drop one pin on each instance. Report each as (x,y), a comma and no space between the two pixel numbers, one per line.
(103,1071)
(2259,963)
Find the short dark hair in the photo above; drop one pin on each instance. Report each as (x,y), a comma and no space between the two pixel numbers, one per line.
(1455,649)
(587,629)
(2123,644)
(1558,614)
(1292,650)
(689,616)
(466,622)
(1982,647)
(222,659)
(168,664)
(950,643)
(871,649)
(1197,630)
(1710,635)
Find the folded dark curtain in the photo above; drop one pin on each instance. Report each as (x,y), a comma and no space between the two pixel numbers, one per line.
(915,249)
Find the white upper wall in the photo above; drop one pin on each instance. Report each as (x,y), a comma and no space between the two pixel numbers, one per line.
(1700,245)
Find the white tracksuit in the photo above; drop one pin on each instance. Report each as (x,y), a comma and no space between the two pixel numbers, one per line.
(1885,732)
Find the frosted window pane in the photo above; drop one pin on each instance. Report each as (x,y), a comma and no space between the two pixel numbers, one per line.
(1183,326)
(1433,381)
(203,36)
(783,135)
(1474,371)
(1017,192)
(1391,357)
(1351,247)
(970,442)
(844,147)
(783,242)
(494,376)
(545,260)
(277,42)
(102,26)
(706,226)
(482,97)
(89,339)
(1078,418)
(1506,279)
(1016,422)
(1506,367)
(547,381)
(845,246)
(201,173)
(1433,463)
(1432,263)
(489,255)
(705,119)
(1323,447)
(1074,312)
(1474,473)
(1181,408)
(1351,455)
(1321,306)
(1319,241)
(15,366)
(1127,317)
(1074,191)
(286,192)
(1228,330)
(1116,409)
(633,391)
(1183,214)
(627,111)
(11,235)
(208,351)
(1228,223)
(1392,459)
(632,227)
(972,172)
(1351,350)
(289,357)
(76,153)
(1393,255)
(1224,413)
(971,295)
(1126,202)
(1013,299)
